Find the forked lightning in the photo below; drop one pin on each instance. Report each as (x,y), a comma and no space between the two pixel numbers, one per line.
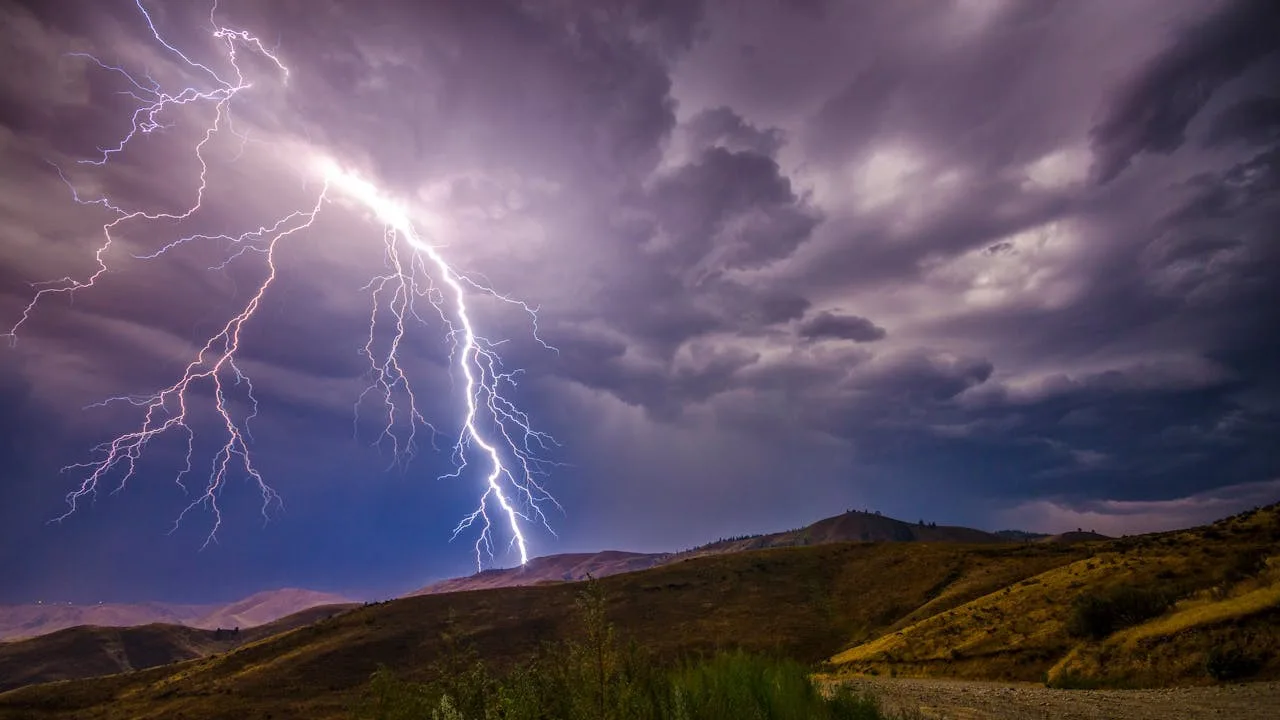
(494,432)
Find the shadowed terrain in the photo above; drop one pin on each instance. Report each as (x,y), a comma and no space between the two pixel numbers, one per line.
(90,651)
(992,610)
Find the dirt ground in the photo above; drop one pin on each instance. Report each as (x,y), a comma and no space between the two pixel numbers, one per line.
(964,700)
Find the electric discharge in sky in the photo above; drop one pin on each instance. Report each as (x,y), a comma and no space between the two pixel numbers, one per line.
(494,432)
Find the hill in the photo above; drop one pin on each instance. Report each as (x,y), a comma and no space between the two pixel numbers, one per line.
(848,527)
(1074,537)
(1185,607)
(805,602)
(567,567)
(264,607)
(852,526)
(1188,607)
(30,620)
(90,651)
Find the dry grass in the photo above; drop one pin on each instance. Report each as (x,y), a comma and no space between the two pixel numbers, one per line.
(1022,631)
(990,611)
(805,603)
(1177,647)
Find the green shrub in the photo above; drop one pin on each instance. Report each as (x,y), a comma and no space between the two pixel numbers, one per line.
(1096,615)
(1072,681)
(1231,663)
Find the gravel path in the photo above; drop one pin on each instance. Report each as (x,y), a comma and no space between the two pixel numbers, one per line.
(965,700)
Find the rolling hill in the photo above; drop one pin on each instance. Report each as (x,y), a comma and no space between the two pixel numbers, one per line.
(1181,607)
(852,526)
(265,607)
(567,567)
(33,619)
(90,651)
(1186,607)
(848,527)
(805,602)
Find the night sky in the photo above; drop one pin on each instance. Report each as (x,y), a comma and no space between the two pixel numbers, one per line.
(981,262)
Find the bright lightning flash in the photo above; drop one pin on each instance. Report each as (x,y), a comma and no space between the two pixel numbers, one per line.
(493,429)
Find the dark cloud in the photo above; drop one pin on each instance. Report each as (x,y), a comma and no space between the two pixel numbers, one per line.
(827,324)
(735,210)
(718,209)
(723,127)
(1153,112)
(1254,120)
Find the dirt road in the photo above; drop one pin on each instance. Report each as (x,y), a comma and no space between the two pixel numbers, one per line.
(963,700)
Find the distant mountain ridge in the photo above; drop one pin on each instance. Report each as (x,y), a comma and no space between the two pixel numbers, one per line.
(33,619)
(851,526)
(89,650)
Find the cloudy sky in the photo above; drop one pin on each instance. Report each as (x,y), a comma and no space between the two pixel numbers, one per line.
(982,262)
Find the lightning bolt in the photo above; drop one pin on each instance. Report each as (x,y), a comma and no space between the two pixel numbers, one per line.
(494,431)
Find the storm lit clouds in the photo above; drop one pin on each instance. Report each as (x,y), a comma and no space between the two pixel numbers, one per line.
(990,263)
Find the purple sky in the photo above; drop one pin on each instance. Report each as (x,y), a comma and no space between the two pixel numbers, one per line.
(985,262)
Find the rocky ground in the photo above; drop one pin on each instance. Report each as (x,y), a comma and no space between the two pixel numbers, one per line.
(964,700)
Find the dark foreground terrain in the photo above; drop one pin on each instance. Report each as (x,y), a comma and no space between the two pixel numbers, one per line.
(1198,607)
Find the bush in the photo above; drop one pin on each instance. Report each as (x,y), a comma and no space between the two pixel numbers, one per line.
(1231,663)
(1097,615)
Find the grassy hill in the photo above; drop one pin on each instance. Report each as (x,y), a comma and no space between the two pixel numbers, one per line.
(91,651)
(566,567)
(850,526)
(1172,608)
(1192,606)
(805,602)
(853,525)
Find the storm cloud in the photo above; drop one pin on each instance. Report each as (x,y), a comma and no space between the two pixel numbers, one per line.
(989,263)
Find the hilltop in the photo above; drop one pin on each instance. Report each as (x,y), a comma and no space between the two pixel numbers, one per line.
(851,526)
(565,567)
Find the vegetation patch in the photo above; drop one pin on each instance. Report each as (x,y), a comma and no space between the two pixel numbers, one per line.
(598,678)
(1096,615)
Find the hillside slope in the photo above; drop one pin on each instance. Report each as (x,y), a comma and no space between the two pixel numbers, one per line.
(852,526)
(1184,607)
(265,607)
(90,651)
(805,602)
(566,567)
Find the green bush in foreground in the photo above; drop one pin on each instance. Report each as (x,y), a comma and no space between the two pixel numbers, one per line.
(733,686)
(1097,615)
(1231,662)
(595,678)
